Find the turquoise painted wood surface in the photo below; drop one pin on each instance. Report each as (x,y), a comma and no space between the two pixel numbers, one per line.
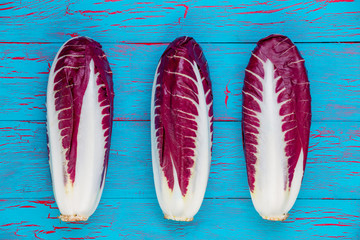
(134,35)
(159,21)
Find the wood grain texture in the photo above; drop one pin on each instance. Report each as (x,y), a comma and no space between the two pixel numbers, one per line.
(134,35)
(333,72)
(332,167)
(217,219)
(160,21)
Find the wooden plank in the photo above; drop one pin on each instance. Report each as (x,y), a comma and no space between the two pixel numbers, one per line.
(333,169)
(217,219)
(161,21)
(333,71)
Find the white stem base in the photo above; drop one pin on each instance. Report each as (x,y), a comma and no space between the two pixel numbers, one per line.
(73,218)
(276,218)
(182,219)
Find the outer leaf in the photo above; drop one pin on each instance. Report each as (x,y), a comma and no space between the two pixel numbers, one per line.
(181,129)
(276,125)
(79,122)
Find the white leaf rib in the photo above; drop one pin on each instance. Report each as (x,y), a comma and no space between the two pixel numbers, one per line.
(290,140)
(256,113)
(186,118)
(253,144)
(284,102)
(286,115)
(184,75)
(249,114)
(186,98)
(301,60)
(251,124)
(67,67)
(281,41)
(68,55)
(247,82)
(303,83)
(175,56)
(255,75)
(255,98)
(63,109)
(263,63)
(186,127)
(287,50)
(290,129)
(181,85)
(207,93)
(277,78)
(193,115)
(280,91)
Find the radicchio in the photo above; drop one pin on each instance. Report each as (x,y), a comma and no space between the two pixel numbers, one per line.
(181,129)
(276,118)
(79,123)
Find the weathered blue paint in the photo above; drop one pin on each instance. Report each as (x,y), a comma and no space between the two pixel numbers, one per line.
(134,35)
(162,21)
(217,219)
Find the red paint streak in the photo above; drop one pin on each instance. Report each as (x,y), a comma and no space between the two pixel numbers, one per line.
(10,224)
(333,224)
(30,225)
(226,119)
(87,237)
(101,11)
(317,9)
(72,35)
(51,217)
(270,11)
(56,228)
(332,1)
(23,104)
(2,9)
(33,122)
(24,98)
(147,44)
(27,43)
(129,120)
(211,6)
(227,94)
(320,218)
(13,206)
(16,233)
(46,203)
(186,8)
(48,232)
(27,207)
(38,237)
(40,95)
(20,77)
(2,4)
(24,58)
